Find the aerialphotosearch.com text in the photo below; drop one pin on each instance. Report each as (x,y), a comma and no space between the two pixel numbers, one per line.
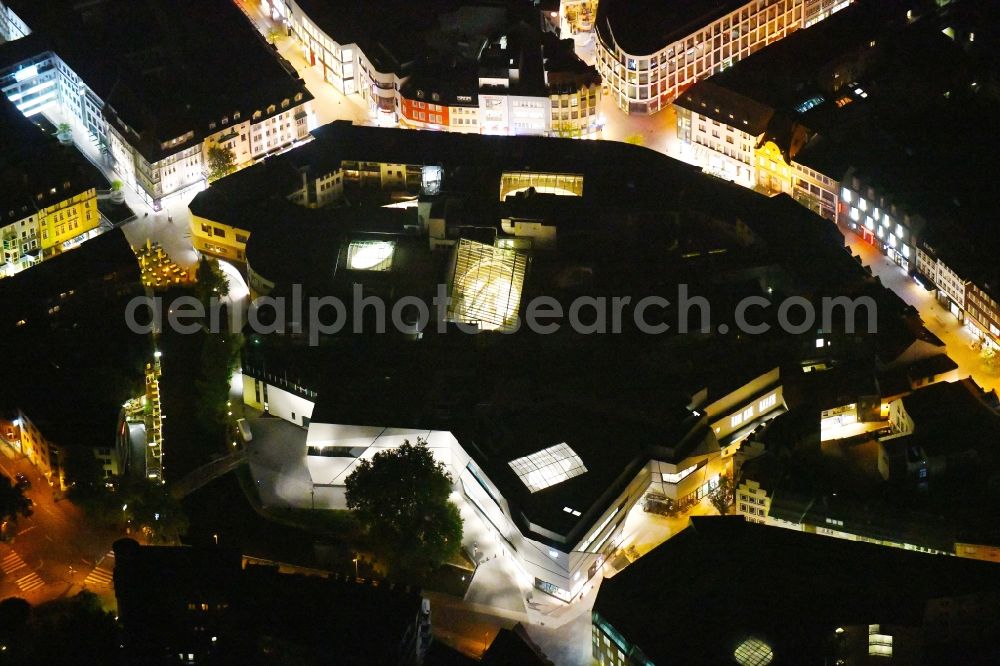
(318,316)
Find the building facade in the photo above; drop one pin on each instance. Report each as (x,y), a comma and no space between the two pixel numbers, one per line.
(48,194)
(49,456)
(490,101)
(871,214)
(130,140)
(646,82)
(558,570)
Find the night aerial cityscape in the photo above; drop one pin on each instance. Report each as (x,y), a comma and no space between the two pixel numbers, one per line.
(575,332)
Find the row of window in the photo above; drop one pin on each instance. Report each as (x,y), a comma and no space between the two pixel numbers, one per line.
(285,103)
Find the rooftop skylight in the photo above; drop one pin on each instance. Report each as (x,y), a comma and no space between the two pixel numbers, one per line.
(370,255)
(548,467)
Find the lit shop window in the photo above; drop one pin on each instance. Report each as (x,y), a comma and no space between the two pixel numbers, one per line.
(679,476)
(846,195)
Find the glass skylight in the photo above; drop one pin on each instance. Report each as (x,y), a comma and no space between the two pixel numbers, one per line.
(548,467)
(370,255)
(753,652)
(487,284)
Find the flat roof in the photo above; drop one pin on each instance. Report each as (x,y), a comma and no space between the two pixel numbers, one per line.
(33,164)
(75,356)
(172,70)
(642,27)
(703,578)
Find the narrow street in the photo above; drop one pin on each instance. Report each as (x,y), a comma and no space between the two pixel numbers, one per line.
(53,552)
(957,338)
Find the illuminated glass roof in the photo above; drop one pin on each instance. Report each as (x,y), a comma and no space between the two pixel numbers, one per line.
(370,255)
(753,652)
(548,467)
(487,283)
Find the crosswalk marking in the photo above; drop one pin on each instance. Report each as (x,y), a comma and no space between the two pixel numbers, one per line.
(30,582)
(103,573)
(11,562)
(99,577)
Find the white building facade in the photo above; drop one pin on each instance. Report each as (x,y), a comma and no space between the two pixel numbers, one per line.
(645,83)
(334,449)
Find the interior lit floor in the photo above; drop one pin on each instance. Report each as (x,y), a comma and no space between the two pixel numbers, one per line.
(831,431)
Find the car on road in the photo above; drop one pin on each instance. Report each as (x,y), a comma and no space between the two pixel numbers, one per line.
(22,481)
(244,429)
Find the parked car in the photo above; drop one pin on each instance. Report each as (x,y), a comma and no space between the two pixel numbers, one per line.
(244,429)
(22,481)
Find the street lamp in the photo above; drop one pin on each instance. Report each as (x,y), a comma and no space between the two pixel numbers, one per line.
(356,576)
(216,537)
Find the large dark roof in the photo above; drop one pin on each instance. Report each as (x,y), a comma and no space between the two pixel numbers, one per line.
(726,106)
(172,69)
(641,27)
(74,355)
(687,601)
(33,164)
(108,258)
(950,417)
(613,444)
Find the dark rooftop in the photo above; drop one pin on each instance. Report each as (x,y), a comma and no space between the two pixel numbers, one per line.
(642,27)
(954,416)
(75,356)
(797,582)
(173,70)
(33,164)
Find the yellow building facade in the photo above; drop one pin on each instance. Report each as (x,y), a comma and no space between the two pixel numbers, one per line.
(218,239)
(48,231)
(61,225)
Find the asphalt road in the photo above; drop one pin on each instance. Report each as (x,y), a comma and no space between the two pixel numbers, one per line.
(937,319)
(53,551)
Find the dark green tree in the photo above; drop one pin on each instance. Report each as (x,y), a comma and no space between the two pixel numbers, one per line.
(73,630)
(219,356)
(209,281)
(13,503)
(221,162)
(83,472)
(723,495)
(400,497)
(153,511)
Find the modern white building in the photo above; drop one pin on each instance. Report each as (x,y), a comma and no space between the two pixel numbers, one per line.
(556,505)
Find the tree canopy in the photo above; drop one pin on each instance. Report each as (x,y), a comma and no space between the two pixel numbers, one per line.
(70,630)
(400,496)
(722,497)
(221,162)
(209,281)
(13,503)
